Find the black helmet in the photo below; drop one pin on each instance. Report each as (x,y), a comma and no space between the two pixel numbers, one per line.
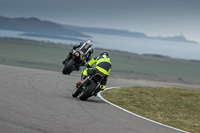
(104,53)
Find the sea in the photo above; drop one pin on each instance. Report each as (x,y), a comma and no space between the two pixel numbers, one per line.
(179,50)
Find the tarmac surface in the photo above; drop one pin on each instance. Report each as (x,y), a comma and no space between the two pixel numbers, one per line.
(38,101)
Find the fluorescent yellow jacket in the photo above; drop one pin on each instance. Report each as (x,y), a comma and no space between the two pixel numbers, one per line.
(103,64)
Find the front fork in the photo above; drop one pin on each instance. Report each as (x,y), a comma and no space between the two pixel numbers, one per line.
(98,86)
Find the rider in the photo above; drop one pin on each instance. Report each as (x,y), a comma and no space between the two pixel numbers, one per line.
(85,47)
(103,64)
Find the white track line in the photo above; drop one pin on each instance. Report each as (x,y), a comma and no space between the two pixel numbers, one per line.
(100,96)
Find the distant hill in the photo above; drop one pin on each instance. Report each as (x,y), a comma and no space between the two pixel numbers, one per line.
(175,38)
(106,31)
(37,27)
(41,28)
(126,33)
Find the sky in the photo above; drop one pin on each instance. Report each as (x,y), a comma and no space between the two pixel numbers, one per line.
(152,17)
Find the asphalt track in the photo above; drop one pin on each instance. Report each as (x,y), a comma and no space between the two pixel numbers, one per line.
(37,101)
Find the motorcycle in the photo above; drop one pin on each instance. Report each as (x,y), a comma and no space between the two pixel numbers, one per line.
(73,64)
(89,86)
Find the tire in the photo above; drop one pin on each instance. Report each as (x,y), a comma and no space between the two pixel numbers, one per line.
(75,92)
(67,67)
(88,92)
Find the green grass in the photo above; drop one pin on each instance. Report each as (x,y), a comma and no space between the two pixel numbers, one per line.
(160,69)
(32,54)
(48,56)
(175,107)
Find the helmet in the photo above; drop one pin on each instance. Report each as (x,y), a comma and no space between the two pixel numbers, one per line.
(89,41)
(104,53)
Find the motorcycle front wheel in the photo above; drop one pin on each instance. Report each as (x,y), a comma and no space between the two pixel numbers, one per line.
(88,92)
(75,92)
(67,67)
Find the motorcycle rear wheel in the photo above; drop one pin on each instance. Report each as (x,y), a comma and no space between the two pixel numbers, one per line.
(88,92)
(67,67)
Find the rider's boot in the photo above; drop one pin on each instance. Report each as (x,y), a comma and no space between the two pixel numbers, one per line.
(79,82)
(78,67)
(82,78)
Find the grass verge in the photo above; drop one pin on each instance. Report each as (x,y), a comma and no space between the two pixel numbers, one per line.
(49,56)
(175,107)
